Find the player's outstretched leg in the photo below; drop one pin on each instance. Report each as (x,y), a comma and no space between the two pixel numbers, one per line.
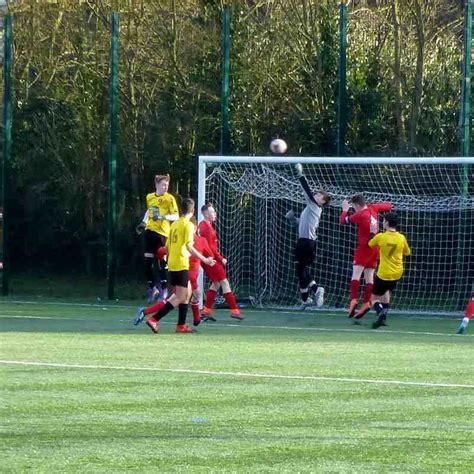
(148,311)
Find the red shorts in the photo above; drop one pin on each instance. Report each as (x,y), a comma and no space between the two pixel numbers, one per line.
(215,273)
(366,257)
(193,278)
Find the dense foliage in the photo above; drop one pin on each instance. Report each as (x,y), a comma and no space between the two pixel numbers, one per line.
(404,75)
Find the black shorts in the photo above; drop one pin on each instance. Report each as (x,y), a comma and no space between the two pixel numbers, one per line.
(180,278)
(305,251)
(382,286)
(153,241)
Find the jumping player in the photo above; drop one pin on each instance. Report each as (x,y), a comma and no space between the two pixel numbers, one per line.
(365,260)
(305,249)
(161,212)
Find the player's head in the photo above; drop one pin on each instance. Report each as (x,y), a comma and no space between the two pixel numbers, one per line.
(390,220)
(187,206)
(209,212)
(322,198)
(358,201)
(162,183)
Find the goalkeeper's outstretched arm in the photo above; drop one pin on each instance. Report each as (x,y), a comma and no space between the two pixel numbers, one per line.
(304,183)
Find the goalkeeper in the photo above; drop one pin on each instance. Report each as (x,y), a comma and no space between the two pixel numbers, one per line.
(161,211)
(305,249)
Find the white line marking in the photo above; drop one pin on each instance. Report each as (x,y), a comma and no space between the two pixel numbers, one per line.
(236,374)
(250,326)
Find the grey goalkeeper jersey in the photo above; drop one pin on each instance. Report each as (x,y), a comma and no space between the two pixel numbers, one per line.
(308,221)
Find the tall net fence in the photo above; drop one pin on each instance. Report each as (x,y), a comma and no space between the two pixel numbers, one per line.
(435,204)
(284,81)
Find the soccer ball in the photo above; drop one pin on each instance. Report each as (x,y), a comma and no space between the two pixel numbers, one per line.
(278,146)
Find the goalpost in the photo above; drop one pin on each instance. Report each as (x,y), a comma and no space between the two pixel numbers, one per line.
(434,198)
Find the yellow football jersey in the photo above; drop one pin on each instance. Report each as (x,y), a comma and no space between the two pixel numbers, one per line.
(393,246)
(160,206)
(181,234)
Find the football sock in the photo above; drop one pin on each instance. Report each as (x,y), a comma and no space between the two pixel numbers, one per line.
(154,308)
(385,308)
(195,310)
(354,291)
(368,292)
(230,299)
(164,311)
(210,298)
(182,313)
(465,322)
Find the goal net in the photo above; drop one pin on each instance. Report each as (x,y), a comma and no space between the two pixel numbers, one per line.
(433,196)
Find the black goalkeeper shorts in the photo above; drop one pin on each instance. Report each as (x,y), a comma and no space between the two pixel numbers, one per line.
(305,251)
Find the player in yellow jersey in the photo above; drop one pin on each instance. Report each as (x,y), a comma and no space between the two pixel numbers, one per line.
(393,247)
(180,247)
(161,211)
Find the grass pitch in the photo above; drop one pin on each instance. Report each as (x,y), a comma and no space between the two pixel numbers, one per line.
(83,390)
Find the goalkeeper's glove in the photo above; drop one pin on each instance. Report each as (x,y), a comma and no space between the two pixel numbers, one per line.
(299,170)
(140,228)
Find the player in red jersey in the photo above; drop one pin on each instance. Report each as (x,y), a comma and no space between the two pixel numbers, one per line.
(468,315)
(365,260)
(202,246)
(216,273)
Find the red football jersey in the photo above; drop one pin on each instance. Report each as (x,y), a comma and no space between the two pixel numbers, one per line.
(470,310)
(207,231)
(201,245)
(366,220)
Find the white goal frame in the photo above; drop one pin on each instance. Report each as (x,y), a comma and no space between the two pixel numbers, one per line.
(205,160)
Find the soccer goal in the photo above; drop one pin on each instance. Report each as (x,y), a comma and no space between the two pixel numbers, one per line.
(434,198)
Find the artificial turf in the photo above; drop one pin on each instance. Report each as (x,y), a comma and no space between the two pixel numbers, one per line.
(278,392)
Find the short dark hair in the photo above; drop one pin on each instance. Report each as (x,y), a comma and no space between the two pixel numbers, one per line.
(187,206)
(206,206)
(392,219)
(359,199)
(326,196)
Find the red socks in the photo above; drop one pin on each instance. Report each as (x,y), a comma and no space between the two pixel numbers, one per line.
(368,292)
(195,310)
(154,308)
(230,300)
(210,298)
(354,292)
